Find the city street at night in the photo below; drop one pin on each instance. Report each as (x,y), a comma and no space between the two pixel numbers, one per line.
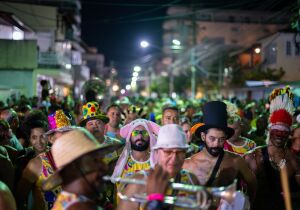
(154,105)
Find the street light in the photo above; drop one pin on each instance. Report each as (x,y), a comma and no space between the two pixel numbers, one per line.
(176,42)
(135,74)
(128,87)
(144,44)
(257,50)
(137,68)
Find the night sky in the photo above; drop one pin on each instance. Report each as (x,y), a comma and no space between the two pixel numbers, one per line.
(117,27)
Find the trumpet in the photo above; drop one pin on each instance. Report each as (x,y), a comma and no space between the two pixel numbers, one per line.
(202,197)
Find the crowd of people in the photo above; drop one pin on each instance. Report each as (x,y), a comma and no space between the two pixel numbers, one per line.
(131,153)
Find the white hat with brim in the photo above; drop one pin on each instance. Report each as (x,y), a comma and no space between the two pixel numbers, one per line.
(71,147)
(171,136)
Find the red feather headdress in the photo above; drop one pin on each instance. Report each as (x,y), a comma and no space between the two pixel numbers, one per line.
(281,106)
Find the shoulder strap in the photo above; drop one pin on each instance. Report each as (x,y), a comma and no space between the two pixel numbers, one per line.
(215,170)
(51,160)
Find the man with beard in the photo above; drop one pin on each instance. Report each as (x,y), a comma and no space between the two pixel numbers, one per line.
(140,136)
(267,161)
(213,166)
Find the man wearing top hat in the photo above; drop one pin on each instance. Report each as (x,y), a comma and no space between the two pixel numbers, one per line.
(213,166)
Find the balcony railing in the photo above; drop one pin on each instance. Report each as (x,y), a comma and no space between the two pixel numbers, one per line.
(53,59)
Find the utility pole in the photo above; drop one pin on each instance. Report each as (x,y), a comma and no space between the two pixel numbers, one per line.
(193,68)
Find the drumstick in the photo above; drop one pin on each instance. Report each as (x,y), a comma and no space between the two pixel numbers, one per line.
(285,188)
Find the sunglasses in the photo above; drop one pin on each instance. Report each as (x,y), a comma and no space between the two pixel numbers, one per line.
(136,133)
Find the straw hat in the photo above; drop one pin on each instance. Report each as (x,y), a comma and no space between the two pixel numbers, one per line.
(91,111)
(171,136)
(72,146)
(58,121)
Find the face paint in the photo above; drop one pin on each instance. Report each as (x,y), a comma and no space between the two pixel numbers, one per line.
(279,137)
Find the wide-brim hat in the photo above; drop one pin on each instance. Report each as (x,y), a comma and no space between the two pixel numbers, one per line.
(215,116)
(71,147)
(91,111)
(171,136)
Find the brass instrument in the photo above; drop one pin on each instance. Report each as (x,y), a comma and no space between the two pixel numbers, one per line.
(204,196)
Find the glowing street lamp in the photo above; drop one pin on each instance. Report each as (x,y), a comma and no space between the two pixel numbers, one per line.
(137,68)
(115,87)
(176,42)
(144,44)
(257,50)
(135,74)
(128,87)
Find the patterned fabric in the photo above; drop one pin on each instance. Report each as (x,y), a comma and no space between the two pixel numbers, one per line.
(133,167)
(66,199)
(92,110)
(240,150)
(47,198)
(113,155)
(185,178)
(58,120)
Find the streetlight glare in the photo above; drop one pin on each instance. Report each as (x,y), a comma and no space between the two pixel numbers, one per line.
(133,84)
(122,91)
(135,74)
(137,68)
(144,44)
(115,88)
(257,50)
(128,87)
(176,42)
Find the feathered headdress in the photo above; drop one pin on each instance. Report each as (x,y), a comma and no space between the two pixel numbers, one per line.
(281,106)
(232,112)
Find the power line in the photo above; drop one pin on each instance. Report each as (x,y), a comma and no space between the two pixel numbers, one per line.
(142,13)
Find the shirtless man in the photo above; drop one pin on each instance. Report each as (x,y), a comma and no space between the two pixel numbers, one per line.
(213,166)
(267,161)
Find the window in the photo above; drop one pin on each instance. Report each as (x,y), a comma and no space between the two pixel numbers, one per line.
(270,53)
(288,48)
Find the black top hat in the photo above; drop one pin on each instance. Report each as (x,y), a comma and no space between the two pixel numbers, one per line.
(215,116)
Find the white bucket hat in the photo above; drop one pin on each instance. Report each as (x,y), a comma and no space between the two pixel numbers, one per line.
(171,136)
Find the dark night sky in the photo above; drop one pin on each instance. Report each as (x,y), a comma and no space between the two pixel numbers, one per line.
(116,27)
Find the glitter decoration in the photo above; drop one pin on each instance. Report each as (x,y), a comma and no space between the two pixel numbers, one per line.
(61,119)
